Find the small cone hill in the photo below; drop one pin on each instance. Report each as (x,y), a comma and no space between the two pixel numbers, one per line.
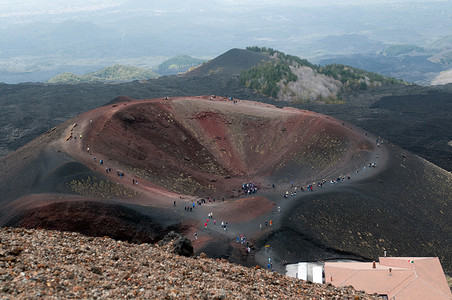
(232,62)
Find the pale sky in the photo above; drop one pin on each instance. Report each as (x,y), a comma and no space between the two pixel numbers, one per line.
(22,8)
(289,25)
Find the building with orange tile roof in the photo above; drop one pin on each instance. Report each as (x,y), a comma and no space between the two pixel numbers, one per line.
(396,278)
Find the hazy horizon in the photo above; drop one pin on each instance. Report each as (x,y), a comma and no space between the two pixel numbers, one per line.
(51,36)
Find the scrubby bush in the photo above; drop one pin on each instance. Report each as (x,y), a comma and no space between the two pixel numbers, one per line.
(94,187)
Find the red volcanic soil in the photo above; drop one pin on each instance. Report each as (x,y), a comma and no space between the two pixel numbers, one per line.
(247,209)
(196,153)
(201,147)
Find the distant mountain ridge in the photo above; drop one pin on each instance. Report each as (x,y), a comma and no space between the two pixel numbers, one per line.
(119,72)
(112,73)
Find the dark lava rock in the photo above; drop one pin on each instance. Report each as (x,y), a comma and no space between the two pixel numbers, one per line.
(92,219)
(179,244)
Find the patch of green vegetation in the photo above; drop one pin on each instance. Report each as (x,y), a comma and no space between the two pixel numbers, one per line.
(265,77)
(186,184)
(67,78)
(396,50)
(180,62)
(449,280)
(113,73)
(282,56)
(355,79)
(329,150)
(121,72)
(94,187)
(332,99)
(215,71)
(181,183)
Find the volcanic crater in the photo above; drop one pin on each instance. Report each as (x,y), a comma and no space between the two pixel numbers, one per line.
(208,148)
(170,163)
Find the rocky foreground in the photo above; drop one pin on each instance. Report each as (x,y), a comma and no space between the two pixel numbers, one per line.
(55,265)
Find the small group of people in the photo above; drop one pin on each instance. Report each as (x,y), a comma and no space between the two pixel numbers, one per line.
(231,99)
(339,179)
(270,264)
(200,202)
(224,225)
(292,194)
(209,199)
(108,170)
(242,241)
(249,188)
(209,217)
(320,184)
(266,224)
(286,194)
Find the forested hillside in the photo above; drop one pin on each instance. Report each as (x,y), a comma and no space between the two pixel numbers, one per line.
(290,78)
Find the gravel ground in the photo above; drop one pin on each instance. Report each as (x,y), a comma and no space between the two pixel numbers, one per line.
(55,265)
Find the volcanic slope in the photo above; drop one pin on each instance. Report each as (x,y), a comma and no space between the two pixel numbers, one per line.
(138,165)
(232,62)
